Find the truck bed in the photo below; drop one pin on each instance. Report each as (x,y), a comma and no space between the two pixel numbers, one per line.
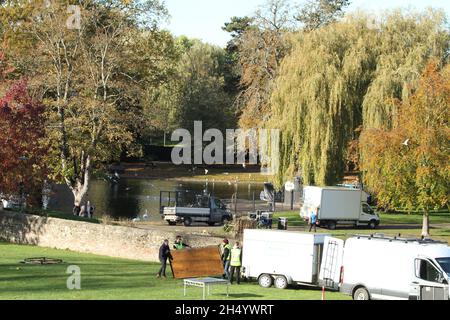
(186,211)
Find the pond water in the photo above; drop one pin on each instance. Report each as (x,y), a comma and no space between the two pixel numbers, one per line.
(131,198)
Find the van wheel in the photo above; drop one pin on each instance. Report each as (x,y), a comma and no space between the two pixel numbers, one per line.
(372,224)
(265,281)
(281,282)
(187,222)
(361,294)
(331,225)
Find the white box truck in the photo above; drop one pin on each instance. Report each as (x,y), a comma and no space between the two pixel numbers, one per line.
(281,258)
(388,268)
(338,206)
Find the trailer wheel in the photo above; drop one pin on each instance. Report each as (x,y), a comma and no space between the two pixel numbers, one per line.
(331,225)
(211,224)
(372,224)
(265,280)
(281,282)
(187,222)
(361,294)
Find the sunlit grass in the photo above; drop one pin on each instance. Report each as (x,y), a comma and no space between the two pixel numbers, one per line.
(107,278)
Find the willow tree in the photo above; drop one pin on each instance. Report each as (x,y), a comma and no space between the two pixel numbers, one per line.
(344,76)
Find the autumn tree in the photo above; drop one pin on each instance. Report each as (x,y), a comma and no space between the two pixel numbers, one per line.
(22,144)
(408,166)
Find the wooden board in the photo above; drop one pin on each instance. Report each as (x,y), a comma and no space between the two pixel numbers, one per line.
(193,263)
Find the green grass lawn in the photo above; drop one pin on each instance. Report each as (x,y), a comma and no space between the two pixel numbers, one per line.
(391,224)
(106,278)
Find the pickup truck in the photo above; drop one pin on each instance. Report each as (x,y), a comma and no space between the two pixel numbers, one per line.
(180,207)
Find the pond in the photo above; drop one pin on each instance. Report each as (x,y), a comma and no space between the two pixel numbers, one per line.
(131,198)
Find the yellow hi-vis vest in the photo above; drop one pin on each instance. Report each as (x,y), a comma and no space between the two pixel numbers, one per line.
(228,246)
(236,257)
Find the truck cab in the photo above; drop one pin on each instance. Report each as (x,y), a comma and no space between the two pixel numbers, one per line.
(368,216)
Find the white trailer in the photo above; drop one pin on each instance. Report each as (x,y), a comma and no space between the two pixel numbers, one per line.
(338,206)
(379,267)
(282,258)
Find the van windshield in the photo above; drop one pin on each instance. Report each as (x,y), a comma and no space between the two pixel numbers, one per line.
(445,264)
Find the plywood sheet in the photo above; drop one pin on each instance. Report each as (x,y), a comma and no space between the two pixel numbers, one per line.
(193,263)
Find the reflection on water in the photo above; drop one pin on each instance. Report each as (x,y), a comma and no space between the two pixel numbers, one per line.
(131,198)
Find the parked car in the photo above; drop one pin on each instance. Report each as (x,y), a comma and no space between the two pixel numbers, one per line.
(338,206)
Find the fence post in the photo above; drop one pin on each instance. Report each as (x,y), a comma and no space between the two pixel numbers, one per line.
(292,200)
(254,204)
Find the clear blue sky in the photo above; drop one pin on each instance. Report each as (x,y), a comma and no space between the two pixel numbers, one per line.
(203,19)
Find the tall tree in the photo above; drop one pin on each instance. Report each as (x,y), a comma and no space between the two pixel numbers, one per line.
(232,72)
(408,166)
(260,52)
(237,26)
(318,13)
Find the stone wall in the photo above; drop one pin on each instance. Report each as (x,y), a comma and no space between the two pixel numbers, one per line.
(107,240)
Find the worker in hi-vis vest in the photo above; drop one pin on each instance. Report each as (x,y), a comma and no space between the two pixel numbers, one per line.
(236,263)
(226,258)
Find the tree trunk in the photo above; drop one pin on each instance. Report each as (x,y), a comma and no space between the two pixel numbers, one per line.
(80,185)
(426,225)
(78,195)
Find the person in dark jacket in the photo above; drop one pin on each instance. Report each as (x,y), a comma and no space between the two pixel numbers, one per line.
(226,258)
(164,254)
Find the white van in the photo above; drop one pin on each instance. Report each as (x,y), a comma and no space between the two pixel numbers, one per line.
(388,268)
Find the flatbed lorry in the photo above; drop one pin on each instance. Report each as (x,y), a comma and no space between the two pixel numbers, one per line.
(183,207)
